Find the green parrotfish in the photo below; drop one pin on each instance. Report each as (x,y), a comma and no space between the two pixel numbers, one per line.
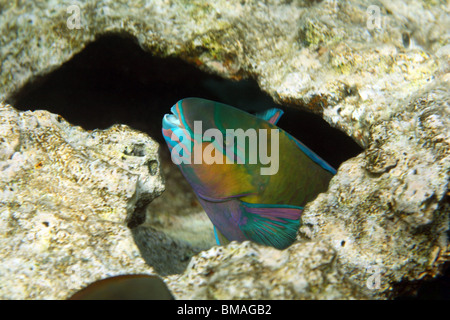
(126,287)
(252,178)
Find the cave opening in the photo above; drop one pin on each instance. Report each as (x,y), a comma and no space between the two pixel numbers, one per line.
(113,80)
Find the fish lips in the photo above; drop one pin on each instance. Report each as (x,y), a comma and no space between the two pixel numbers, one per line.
(171,120)
(172,128)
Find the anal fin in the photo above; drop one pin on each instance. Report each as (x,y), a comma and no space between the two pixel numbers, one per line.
(220,238)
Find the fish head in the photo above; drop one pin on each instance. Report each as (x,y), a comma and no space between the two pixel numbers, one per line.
(185,129)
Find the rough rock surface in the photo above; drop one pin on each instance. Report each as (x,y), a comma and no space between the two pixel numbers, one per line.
(65,195)
(384,80)
(386,208)
(306,270)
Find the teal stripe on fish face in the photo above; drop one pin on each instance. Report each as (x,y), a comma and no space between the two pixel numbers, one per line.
(178,134)
(242,203)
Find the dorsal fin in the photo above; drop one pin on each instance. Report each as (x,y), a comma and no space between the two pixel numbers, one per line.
(314,157)
(273,115)
(270,115)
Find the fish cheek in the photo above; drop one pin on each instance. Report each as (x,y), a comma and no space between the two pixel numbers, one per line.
(217,181)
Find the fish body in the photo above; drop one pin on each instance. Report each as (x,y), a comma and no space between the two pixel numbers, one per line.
(125,287)
(245,200)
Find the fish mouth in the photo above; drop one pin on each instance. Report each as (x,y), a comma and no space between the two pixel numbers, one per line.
(171,120)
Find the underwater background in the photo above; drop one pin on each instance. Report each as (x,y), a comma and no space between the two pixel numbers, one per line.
(89,190)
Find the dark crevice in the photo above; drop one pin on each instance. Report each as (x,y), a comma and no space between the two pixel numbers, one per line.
(437,288)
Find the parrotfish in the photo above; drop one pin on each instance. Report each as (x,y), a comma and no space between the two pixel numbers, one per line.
(125,287)
(223,152)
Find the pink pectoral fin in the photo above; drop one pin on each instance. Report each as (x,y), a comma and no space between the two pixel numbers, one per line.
(273,225)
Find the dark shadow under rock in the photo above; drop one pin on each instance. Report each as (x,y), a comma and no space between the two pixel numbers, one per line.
(166,255)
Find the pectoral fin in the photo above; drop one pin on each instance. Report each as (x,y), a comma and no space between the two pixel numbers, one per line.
(272,225)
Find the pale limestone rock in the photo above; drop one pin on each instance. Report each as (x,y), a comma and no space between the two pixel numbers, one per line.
(65,195)
(307,270)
